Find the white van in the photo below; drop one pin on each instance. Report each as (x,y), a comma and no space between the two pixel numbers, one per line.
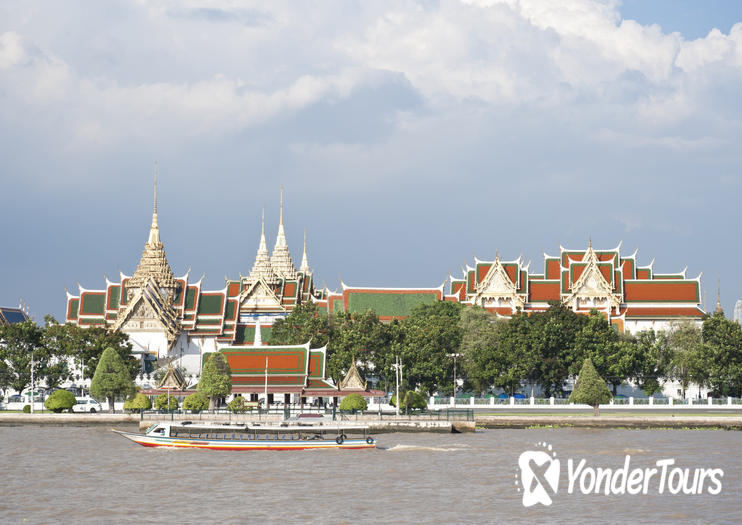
(87,404)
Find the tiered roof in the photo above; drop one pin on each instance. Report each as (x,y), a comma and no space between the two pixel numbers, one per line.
(12,315)
(281,261)
(582,279)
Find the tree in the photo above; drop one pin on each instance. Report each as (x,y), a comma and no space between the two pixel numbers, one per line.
(196,402)
(17,344)
(355,337)
(111,378)
(411,400)
(686,364)
(166,402)
(654,356)
(304,323)
(614,356)
(138,402)
(353,402)
(553,335)
(60,400)
(722,355)
(431,332)
(590,389)
(216,378)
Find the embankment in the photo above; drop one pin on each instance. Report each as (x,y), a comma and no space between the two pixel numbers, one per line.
(676,422)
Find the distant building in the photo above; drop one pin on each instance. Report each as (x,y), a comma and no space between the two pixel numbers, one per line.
(738,311)
(12,316)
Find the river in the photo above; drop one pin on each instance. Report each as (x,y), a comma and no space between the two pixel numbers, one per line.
(90,475)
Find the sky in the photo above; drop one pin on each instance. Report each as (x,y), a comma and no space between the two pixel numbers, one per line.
(409,137)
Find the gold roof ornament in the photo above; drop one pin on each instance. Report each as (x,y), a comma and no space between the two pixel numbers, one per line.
(281,261)
(718,309)
(353,379)
(153,263)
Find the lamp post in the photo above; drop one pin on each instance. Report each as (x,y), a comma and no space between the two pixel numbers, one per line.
(32,382)
(398,376)
(454,356)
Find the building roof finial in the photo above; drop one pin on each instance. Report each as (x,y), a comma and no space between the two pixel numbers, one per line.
(304,259)
(155,208)
(281,262)
(718,309)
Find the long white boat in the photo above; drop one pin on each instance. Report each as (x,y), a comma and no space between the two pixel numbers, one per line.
(186,434)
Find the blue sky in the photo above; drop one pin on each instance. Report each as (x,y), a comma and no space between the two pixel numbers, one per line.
(410,136)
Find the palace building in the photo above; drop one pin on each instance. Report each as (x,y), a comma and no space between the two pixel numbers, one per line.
(633,297)
(170,318)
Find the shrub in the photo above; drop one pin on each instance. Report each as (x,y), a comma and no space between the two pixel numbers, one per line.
(196,401)
(353,402)
(161,403)
(60,400)
(216,378)
(138,402)
(237,404)
(412,400)
(26,409)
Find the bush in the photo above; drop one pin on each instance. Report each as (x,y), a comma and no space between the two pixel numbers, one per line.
(161,403)
(412,400)
(138,402)
(237,404)
(353,402)
(60,400)
(26,409)
(196,401)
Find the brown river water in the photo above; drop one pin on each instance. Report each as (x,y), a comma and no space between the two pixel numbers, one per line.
(90,475)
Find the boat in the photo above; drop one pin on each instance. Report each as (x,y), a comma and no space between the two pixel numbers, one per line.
(226,436)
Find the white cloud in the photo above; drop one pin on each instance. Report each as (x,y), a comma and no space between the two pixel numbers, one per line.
(11,50)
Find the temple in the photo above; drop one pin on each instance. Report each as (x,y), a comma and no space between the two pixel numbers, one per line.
(169,317)
(632,297)
(10,316)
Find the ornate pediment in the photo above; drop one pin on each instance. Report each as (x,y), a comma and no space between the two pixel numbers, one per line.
(259,296)
(592,290)
(149,311)
(497,289)
(172,379)
(353,380)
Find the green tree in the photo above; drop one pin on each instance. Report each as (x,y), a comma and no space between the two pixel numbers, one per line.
(237,405)
(60,400)
(111,378)
(353,402)
(553,335)
(138,402)
(357,336)
(196,402)
(304,323)
(411,400)
(722,355)
(166,402)
(216,378)
(590,389)
(654,356)
(686,364)
(614,356)
(431,333)
(20,342)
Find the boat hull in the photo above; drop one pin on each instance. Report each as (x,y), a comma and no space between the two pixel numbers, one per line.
(245,444)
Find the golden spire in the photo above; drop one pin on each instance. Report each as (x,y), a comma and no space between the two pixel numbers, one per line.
(718,309)
(153,262)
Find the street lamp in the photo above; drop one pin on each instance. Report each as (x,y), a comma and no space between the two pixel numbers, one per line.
(454,356)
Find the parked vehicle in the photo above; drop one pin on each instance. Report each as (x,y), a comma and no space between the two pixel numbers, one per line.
(87,404)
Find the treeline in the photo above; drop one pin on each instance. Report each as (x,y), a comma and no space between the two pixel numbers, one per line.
(540,349)
(56,350)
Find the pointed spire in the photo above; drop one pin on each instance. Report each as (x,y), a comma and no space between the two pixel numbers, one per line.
(154,232)
(261,268)
(718,309)
(304,260)
(153,262)
(281,261)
